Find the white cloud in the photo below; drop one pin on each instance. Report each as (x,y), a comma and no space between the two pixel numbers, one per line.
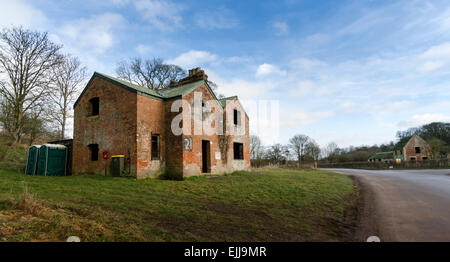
(393,107)
(309,87)
(422,119)
(162,14)
(268,69)
(245,89)
(307,64)
(436,57)
(18,13)
(281,28)
(348,106)
(143,49)
(95,33)
(194,58)
(430,66)
(438,51)
(297,117)
(222,18)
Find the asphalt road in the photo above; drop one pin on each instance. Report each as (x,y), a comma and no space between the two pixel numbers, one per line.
(404,205)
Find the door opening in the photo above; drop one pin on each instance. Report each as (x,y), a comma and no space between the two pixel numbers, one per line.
(206,160)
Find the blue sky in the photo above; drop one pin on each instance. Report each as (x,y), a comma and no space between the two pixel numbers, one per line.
(353,72)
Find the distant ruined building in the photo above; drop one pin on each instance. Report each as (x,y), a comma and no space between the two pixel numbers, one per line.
(417,149)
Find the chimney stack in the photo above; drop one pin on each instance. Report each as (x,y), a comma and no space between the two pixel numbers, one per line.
(198,73)
(195,74)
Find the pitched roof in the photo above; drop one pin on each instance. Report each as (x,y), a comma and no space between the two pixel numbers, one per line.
(162,94)
(419,138)
(180,90)
(223,101)
(123,83)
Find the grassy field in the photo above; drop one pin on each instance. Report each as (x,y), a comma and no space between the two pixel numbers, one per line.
(263,205)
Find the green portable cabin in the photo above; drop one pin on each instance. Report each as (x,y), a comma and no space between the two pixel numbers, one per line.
(52,160)
(32,160)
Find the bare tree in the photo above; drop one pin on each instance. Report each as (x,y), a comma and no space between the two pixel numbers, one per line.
(276,154)
(312,149)
(26,61)
(34,122)
(68,76)
(330,150)
(255,146)
(151,73)
(297,144)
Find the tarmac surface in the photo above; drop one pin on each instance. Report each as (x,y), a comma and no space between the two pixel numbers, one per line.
(403,205)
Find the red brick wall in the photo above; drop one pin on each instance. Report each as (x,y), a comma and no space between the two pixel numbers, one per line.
(409,150)
(126,122)
(174,145)
(150,121)
(192,160)
(114,129)
(223,144)
(235,136)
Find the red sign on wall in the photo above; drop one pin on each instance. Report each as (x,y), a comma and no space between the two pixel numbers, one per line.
(106,154)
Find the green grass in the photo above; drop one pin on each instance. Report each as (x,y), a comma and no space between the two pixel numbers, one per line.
(12,157)
(264,205)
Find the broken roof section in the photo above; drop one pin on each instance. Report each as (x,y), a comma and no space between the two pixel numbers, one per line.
(382,155)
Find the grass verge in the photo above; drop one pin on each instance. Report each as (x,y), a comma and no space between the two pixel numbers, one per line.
(262,205)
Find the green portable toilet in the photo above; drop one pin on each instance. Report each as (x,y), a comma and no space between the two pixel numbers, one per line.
(52,160)
(32,160)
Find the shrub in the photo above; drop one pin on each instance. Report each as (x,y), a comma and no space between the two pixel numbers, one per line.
(29,204)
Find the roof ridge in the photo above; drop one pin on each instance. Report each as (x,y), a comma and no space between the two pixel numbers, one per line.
(227,97)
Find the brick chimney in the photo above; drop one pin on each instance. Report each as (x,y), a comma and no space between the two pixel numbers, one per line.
(195,75)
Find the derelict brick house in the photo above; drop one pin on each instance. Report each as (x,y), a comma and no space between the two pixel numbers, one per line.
(417,149)
(125,119)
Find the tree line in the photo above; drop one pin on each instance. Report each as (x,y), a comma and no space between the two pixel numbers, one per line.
(39,83)
(302,148)
(436,134)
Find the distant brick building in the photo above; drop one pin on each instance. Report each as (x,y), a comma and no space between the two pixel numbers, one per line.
(125,119)
(417,149)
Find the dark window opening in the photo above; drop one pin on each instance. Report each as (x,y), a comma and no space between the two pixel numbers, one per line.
(417,150)
(413,159)
(238,150)
(206,159)
(155,146)
(236,117)
(93,149)
(95,103)
(424,158)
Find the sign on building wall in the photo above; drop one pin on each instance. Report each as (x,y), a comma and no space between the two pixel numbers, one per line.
(187,143)
(218,156)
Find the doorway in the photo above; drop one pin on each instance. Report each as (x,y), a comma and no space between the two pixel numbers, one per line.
(206,159)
